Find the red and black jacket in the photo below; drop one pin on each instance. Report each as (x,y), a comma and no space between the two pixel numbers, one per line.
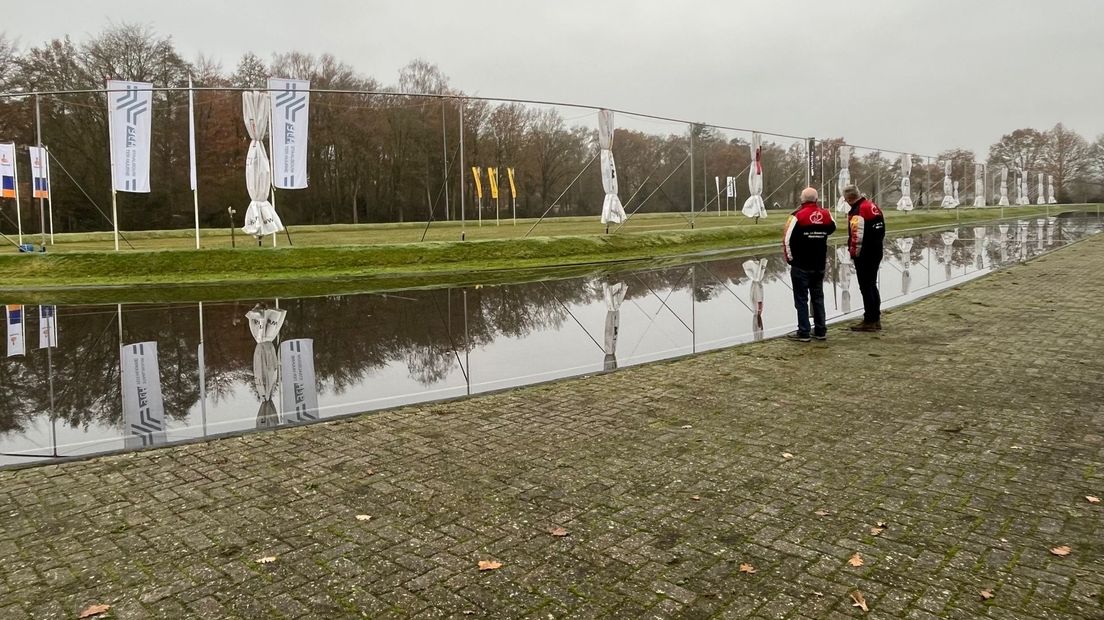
(805,240)
(865,230)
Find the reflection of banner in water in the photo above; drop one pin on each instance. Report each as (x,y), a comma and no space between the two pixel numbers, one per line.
(843,261)
(979,247)
(14,321)
(1051,221)
(949,238)
(143,407)
(297,384)
(47,327)
(1003,228)
(756,271)
(266,373)
(1040,234)
(904,244)
(614,295)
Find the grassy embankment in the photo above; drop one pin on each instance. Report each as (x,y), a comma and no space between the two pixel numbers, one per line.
(376,257)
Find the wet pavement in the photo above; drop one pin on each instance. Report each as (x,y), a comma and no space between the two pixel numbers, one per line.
(120,377)
(952,452)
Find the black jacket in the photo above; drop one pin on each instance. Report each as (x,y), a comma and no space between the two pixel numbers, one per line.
(805,240)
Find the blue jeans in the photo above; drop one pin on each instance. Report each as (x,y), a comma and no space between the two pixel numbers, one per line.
(808,284)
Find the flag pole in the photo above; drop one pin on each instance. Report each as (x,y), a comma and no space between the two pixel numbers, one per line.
(444,160)
(114,200)
(462,168)
(49,195)
(18,207)
(192,157)
(41,205)
(202,374)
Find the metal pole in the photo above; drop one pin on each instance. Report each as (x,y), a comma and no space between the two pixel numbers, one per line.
(691,175)
(50,374)
(41,170)
(444,154)
(49,195)
(114,209)
(461,175)
(18,206)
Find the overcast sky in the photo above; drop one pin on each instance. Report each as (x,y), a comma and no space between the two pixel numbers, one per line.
(918,76)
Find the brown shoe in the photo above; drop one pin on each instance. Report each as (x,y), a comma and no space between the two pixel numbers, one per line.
(867,327)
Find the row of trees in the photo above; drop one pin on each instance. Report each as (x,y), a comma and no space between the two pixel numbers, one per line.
(394,157)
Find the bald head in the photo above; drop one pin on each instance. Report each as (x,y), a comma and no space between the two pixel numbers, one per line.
(809,195)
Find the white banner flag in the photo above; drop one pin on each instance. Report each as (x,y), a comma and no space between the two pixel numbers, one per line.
(905,203)
(1040,192)
(47,327)
(297,382)
(143,406)
(191,136)
(844,178)
(753,206)
(1053,199)
(290,112)
(731,187)
(1003,187)
(612,209)
(14,316)
(40,171)
(950,201)
(129,114)
(7,170)
(979,185)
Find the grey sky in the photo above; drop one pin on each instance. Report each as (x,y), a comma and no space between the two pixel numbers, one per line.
(919,76)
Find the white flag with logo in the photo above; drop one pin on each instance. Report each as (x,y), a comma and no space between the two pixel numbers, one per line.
(14,318)
(7,170)
(290,111)
(40,171)
(47,327)
(143,406)
(129,113)
(297,386)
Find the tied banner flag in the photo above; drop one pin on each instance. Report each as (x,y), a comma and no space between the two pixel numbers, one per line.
(40,171)
(129,114)
(143,404)
(290,127)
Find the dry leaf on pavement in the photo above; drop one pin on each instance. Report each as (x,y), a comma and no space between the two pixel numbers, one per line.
(986,595)
(822,513)
(860,602)
(268,559)
(787,455)
(874,531)
(489,565)
(1092,499)
(94,610)
(1062,551)
(856,560)
(363,517)
(687,426)
(558,532)
(696,498)
(747,568)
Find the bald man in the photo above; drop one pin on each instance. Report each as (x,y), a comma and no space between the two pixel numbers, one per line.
(805,248)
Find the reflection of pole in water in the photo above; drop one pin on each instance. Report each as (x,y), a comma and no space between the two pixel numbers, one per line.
(50,380)
(467,345)
(202,359)
(613,295)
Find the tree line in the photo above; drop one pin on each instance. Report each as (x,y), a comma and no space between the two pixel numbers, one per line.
(393,156)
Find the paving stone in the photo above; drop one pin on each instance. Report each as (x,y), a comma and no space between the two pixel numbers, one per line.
(973,427)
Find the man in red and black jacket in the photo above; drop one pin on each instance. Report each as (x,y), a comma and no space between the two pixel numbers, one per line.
(805,248)
(866,233)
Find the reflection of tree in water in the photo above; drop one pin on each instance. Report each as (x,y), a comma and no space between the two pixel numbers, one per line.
(354,335)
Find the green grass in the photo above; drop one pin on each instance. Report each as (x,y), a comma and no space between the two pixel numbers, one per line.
(383,256)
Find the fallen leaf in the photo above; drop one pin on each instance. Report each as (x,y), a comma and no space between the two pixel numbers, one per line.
(369,472)
(747,568)
(822,513)
(489,565)
(787,455)
(1062,551)
(875,531)
(363,517)
(1092,499)
(687,426)
(268,559)
(860,602)
(986,595)
(558,532)
(94,610)
(696,498)
(856,560)
(815,593)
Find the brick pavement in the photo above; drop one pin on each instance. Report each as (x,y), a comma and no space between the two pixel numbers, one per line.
(972,428)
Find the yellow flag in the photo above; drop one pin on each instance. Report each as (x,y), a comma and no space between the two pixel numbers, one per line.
(513,188)
(492,178)
(478,182)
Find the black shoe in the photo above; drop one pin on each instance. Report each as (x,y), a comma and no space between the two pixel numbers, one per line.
(867,327)
(820,337)
(798,337)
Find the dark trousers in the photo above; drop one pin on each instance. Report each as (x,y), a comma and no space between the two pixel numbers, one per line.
(808,284)
(866,272)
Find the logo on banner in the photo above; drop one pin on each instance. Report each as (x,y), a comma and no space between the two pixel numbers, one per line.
(290,99)
(7,170)
(133,107)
